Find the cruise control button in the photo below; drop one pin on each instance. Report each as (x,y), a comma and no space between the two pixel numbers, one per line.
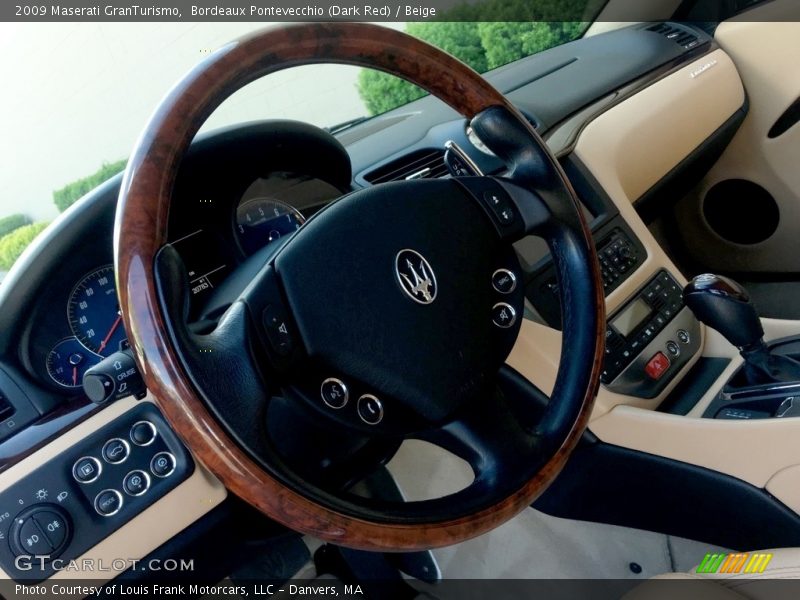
(143,433)
(334,393)
(683,336)
(504,281)
(136,483)
(370,409)
(163,464)
(54,527)
(86,469)
(32,540)
(115,451)
(504,315)
(657,366)
(108,502)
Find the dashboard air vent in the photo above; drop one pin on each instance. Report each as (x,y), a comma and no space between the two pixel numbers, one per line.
(681,36)
(420,164)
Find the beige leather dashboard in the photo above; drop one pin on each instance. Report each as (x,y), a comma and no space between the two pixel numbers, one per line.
(628,149)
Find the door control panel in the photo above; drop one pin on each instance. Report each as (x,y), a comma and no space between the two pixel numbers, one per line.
(649,339)
(84,494)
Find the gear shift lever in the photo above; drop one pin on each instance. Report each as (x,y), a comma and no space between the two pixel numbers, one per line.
(724,305)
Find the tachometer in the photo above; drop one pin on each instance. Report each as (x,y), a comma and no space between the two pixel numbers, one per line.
(68,361)
(261,221)
(93,311)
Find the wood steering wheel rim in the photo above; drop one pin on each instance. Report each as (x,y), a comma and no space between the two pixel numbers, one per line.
(141,230)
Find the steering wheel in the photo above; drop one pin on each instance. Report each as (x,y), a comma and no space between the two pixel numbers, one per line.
(387,316)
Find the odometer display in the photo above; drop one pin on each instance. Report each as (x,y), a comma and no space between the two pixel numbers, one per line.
(93,312)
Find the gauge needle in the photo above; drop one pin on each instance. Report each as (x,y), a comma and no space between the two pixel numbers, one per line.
(74,375)
(110,333)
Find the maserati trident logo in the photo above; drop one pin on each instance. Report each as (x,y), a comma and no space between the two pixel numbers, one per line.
(415,276)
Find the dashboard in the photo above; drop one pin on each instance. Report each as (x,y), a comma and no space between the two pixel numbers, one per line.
(243,189)
(224,215)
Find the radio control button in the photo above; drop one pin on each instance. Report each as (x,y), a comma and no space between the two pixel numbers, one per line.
(504,315)
(504,281)
(673,349)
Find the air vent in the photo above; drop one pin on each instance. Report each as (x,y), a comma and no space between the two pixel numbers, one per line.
(421,164)
(679,35)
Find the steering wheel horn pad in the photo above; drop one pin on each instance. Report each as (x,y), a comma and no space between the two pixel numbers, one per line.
(342,285)
(429,350)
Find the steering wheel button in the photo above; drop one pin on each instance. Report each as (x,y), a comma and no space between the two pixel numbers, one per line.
(163,464)
(657,366)
(504,315)
(143,433)
(370,409)
(115,451)
(334,393)
(277,331)
(108,502)
(504,281)
(136,483)
(86,469)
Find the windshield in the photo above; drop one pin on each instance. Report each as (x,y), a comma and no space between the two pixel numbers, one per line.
(78,94)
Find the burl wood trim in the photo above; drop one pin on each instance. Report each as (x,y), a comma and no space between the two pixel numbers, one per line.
(141,230)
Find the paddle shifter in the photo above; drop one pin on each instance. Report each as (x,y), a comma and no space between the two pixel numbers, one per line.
(724,305)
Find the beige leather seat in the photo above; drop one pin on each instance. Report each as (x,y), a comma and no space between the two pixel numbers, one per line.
(769,585)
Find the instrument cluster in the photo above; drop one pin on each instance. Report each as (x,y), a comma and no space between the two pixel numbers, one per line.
(90,325)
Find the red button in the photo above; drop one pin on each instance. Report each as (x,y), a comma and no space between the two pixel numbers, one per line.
(657,366)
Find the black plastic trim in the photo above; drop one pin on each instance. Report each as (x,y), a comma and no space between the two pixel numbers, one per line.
(693,386)
(608,484)
(786,121)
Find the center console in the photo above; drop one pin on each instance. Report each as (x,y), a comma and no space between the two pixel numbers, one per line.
(649,339)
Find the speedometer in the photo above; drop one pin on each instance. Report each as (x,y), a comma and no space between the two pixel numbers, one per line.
(93,311)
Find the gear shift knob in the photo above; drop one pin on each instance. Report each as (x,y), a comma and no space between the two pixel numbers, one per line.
(724,305)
